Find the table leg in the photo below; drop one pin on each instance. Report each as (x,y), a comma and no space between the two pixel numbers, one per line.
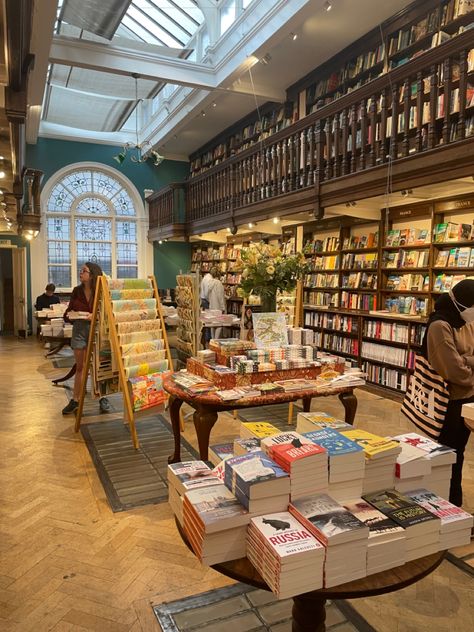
(349,401)
(204,420)
(55,350)
(174,406)
(306,404)
(71,373)
(309,614)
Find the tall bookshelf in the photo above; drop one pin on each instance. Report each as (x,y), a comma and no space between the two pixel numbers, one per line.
(416,252)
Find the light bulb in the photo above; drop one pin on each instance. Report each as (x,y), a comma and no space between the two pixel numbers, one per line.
(327,5)
(250,225)
(276,220)
(2,174)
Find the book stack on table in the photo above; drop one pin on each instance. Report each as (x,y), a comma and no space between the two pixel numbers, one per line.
(306,462)
(344,536)
(422,528)
(441,459)
(411,468)
(380,458)
(242,446)
(387,545)
(220,451)
(288,557)
(215,524)
(259,429)
(307,422)
(184,477)
(346,463)
(257,482)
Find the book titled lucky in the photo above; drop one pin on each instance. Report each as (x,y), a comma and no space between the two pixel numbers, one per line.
(285,536)
(291,437)
(215,509)
(260,429)
(375,447)
(256,476)
(401,509)
(438,454)
(334,442)
(452,517)
(329,521)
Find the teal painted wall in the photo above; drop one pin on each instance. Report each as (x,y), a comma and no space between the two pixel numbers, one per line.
(170,258)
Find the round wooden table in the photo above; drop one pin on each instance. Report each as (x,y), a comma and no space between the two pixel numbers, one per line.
(208,405)
(309,609)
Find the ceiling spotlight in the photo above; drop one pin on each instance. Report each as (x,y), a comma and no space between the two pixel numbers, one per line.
(328,5)
(250,225)
(228,229)
(2,157)
(203,113)
(276,220)
(406,192)
(294,36)
(214,104)
(2,174)
(160,241)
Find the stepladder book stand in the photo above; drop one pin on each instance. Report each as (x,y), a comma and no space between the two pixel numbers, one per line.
(127,315)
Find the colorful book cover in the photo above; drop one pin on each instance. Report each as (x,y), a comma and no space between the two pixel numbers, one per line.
(291,437)
(433,449)
(401,509)
(249,470)
(373,445)
(285,535)
(334,442)
(242,446)
(221,450)
(441,508)
(377,522)
(216,508)
(286,454)
(260,429)
(270,329)
(322,420)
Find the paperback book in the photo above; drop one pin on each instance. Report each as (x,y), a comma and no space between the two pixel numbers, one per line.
(401,509)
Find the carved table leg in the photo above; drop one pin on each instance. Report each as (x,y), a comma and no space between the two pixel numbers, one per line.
(349,401)
(306,404)
(204,420)
(309,614)
(173,407)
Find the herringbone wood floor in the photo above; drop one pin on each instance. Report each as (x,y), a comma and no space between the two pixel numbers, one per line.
(67,563)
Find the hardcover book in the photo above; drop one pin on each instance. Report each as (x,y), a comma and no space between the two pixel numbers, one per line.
(401,509)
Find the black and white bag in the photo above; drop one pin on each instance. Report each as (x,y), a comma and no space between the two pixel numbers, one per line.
(426,399)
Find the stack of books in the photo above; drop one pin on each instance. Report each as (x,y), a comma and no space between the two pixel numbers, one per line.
(422,528)
(411,468)
(215,524)
(220,451)
(257,482)
(346,460)
(441,458)
(186,476)
(307,422)
(380,458)
(286,555)
(242,446)
(259,429)
(386,548)
(456,524)
(344,536)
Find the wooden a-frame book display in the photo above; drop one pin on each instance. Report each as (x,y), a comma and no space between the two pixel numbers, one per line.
(103,304)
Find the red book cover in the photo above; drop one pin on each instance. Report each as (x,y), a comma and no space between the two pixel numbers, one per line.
(286,454)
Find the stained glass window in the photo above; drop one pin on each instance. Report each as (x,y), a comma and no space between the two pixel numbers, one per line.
(85,210)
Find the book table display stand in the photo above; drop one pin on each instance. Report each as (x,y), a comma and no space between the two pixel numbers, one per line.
(207,406)
(309,609)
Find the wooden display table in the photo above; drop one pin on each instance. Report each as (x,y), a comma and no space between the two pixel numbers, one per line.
(309,609)
(208,406)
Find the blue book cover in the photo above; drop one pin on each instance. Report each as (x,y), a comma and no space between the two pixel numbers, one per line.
(334,442)
(253,470)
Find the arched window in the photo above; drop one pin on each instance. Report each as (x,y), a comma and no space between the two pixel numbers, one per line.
(90,216)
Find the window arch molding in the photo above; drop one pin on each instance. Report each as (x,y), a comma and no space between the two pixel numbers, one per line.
(90,205)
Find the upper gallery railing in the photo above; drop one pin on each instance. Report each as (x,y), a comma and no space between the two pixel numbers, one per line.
(425,103)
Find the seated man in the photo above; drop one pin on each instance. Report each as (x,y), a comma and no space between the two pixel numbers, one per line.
(48,298)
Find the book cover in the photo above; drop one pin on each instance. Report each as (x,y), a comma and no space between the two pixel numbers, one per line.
(259,429)
(440,232)
(328,517)
(251,470)
(441,508)
(433,449)
(242,446)
(422,236)
(291,437)
(285,535)
(442,258)
(401,509)
(215,508)
(334,442)
(323,420)
(373,445)
(377,522)
(220,451)
(270,329)
(286,454)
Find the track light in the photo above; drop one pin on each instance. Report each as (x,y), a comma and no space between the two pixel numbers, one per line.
(328,5)
(250,225)
(214,104)
(276,220)
(406,192)
(203,113)
(294,36)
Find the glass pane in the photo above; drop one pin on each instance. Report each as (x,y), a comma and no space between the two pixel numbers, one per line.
(127,254)
(100,253)
(59,252)
(92,206)
(181,28)
(60,200)
(127,272)
(172,36)
(105,185)
(126,231)
(123,204)
(94,229)
(78,182)
(245,3)
(60,276)
(227,15)
(58,228)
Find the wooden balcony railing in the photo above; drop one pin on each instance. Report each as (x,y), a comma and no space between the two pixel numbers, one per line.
(166,207)
(426,103)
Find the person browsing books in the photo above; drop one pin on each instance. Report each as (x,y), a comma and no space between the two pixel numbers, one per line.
(48,298)
(448,345)
(216,298)
(204,293)
(82,300)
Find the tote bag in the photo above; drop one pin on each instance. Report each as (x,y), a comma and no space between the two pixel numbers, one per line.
(426,399)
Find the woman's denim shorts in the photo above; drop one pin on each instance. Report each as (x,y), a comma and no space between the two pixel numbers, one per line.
(80,333)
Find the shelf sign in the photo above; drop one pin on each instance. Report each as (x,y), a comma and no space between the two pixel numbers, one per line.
(5,242)
(455,205)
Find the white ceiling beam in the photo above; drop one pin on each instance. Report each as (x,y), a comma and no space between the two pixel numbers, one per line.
(120,60)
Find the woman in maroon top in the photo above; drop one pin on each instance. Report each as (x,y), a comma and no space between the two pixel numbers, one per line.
(82,300)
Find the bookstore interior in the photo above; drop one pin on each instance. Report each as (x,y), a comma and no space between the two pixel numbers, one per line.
(269,286)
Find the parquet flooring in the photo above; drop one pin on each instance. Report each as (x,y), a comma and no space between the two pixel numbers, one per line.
(67,563)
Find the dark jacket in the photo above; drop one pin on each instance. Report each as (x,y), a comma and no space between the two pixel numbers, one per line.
(44,301)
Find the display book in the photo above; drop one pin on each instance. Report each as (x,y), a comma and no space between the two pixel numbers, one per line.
(189,310)
(360,535)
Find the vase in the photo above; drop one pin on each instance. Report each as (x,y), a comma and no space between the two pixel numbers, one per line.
(268,302)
